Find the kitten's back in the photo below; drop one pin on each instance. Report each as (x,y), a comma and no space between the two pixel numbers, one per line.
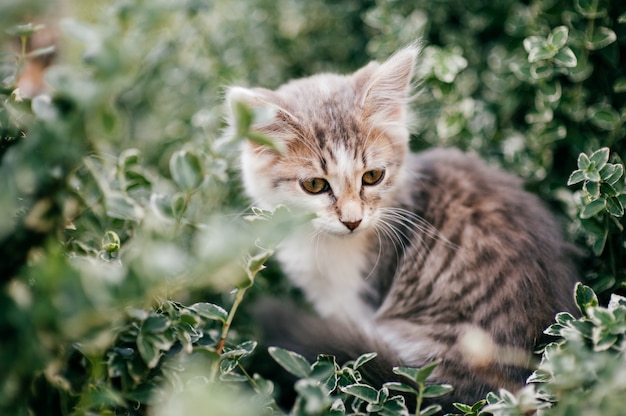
(479,294)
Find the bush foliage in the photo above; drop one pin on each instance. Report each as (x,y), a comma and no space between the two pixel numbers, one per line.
(124,254)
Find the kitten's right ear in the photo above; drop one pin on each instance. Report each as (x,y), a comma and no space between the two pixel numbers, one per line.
(387,86)
(268,116)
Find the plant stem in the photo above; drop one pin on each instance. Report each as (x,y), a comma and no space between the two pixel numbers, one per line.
(231,315)
(420,398)
(179,217)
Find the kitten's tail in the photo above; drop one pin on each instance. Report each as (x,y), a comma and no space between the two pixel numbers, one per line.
(289,327)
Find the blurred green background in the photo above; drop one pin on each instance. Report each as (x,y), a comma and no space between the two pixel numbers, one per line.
(120,205)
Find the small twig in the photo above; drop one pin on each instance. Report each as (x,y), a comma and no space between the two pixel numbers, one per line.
(229,320)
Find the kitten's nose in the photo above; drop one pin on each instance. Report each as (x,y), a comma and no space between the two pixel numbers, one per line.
(351,225)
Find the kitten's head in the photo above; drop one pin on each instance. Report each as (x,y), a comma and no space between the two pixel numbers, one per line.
(343,139)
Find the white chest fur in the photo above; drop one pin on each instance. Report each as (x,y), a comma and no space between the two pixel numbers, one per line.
(331,271)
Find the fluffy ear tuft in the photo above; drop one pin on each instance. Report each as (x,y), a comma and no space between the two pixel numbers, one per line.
(387,95)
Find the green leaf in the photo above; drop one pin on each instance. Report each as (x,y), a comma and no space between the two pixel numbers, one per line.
(600,157)
(363,359)
(603,340)
(409,373)
(210,311)
(110,242)
(436,390)
(313,400)
(430,410)
(241,350)
(325,370)
(620,85)
(25,30)
(592,188)
(599,242)
(134,178)
(533,42)
(564,318)
(565,58)
(397,386)
(616,302)
(582,71)
(375,408)
(614,207)
(550,91)
(576,177)
(479,405)
(123,207)
(593,208)
(541,71)
(148,352)
(419,375)
(266,141)
(164,340)
(612,173)
(545,51)
(383,395)
(601,38)
(255,264)
(244,117)
(583,162)
(446,63)
(178,204)
(554,330)
(347,376)
(44,108)
(465,408)
(604,117)
(394,406)
(602,317)
(229,376)
(186,169)
(291,361)
(583,327)
(585,298)
(362,391)
(155,324)
(129,157)
(589,9)
(558,37)
(592,175)
(338,408)
(539,376)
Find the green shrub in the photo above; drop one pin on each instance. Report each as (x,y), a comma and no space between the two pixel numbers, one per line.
(124,256)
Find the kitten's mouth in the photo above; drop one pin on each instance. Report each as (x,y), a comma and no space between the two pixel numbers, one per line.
(346,232)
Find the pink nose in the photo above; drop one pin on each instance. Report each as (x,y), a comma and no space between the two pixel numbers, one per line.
(351,225)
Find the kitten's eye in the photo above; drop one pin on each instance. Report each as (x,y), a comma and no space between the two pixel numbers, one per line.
(373,177)
(315,185)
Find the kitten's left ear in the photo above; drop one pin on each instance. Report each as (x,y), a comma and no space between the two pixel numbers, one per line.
(387,93)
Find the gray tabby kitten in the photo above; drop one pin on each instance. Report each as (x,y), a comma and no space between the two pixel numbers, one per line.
(418,257)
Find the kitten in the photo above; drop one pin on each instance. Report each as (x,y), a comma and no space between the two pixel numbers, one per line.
(418,257)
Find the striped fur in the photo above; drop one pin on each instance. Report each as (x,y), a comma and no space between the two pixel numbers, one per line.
(450,259)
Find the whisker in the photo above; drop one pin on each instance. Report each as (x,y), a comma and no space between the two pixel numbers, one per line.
(380,249)
(417,223)
(392,234)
